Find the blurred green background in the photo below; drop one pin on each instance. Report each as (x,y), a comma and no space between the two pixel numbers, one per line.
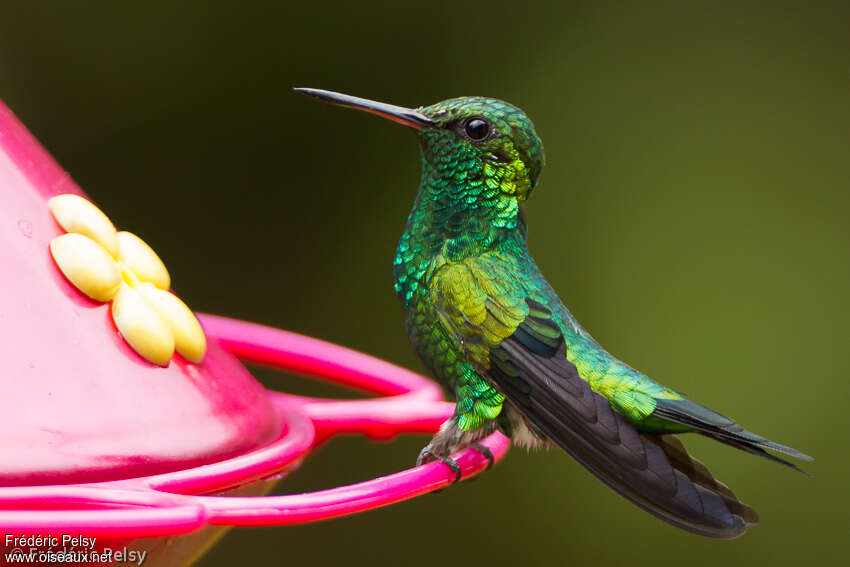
(693,215)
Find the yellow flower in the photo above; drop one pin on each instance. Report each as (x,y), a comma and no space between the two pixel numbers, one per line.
(120,267)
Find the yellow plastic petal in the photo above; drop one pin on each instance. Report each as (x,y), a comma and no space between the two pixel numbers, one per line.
(142,327)
(189,338)
(78,215)
(86,265)
(142,260)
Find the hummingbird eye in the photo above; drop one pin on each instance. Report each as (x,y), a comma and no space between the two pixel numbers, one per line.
(477,128)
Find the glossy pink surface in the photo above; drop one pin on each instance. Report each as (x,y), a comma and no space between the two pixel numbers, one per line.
(164,504)
(78,404)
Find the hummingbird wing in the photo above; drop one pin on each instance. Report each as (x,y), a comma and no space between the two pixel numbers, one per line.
(516,344)
(653,471)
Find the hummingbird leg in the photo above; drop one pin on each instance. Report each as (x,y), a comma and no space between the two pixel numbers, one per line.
(441,446)
(450,439)
(427,454)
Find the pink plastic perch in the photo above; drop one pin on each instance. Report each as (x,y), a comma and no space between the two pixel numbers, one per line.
(166,505)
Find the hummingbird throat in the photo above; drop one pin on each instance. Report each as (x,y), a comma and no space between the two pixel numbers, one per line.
(466,202)
(466,205)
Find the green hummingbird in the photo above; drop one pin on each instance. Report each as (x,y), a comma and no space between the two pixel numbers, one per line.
(485,322)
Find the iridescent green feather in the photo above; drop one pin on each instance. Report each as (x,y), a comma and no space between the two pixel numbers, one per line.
(463,272)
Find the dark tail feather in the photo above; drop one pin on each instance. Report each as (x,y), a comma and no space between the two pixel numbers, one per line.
(654,472)
(755,450)
(699,474)
(725,430)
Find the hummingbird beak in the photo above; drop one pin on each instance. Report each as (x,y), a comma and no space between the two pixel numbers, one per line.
(407,116)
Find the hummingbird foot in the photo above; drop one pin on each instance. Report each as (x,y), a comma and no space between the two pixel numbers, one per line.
(484,450)
(427,455)
(450,439)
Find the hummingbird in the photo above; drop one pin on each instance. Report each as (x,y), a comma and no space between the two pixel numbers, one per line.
(485,322)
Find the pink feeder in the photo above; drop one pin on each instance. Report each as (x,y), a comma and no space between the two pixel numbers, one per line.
(98,441)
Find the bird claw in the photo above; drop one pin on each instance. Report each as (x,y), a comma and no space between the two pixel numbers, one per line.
(484,450)
(427,455)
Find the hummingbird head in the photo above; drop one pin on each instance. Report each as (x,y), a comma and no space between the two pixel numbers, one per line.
(487,139)
(468,141)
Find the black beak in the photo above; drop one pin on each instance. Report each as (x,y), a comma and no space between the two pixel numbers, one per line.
(406,116)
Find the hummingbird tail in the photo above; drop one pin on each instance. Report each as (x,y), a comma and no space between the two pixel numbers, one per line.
(653,471)
(699,474)
(723,429)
